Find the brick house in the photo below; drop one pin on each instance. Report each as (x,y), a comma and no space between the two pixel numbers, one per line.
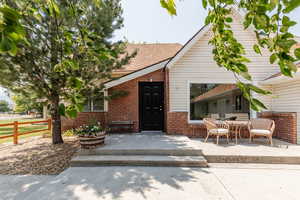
(171,88)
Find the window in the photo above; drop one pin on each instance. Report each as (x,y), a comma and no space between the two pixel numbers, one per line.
(94,104)
(218,101)
(238,103)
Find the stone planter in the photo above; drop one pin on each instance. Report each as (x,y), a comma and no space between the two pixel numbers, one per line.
(89,142)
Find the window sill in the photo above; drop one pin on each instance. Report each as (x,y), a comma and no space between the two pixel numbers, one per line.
(195,122)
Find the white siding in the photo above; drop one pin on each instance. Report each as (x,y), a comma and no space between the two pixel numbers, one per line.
(197,65)
(286,98)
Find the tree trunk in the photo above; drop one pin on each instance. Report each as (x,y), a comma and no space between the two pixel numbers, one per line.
(56,124)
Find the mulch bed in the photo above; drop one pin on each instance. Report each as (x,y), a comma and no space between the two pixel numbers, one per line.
(38,156)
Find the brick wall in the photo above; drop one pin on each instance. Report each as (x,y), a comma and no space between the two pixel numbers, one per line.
(84,118)
(178,124)
(285,125)
(127,107)
(119,109)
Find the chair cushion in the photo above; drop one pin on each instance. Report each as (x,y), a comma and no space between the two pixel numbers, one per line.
(260,131)
(219,131)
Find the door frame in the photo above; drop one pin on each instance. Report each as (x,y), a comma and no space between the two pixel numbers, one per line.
(140,84)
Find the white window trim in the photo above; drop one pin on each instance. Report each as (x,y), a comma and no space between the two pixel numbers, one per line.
(188,97)
(105,107)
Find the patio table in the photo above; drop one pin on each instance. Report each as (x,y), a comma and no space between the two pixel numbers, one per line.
(237,126)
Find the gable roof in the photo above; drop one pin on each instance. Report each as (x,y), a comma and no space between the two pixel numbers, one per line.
(136,74)
(148,54)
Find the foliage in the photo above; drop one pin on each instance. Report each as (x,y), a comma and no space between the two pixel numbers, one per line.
(4,106)
(271,25)
(27,102)
(67,54)
(93,129)
(69,133)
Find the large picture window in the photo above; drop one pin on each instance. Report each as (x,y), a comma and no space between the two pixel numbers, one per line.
(218,101)
(95,104)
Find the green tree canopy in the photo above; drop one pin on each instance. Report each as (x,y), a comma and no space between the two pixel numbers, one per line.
(4,107)
(25,103)
(268,19)
(60,50)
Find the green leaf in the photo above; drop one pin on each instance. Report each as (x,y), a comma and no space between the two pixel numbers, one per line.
(80,107)
(291,5)
(169,5)
(5,45)
(273,4)
(207,20)
(228,19)
(204,3)
(292,66)
(246,76)
(75,82)
(71,111)
(273,58)
(14,50)
(254,106)
(297,53)
(54,9)
(9,14)
(258,90)
(256,49)
(62,109)
(284,69)
(287,22)
(258,104)
(286,44)
(242,67)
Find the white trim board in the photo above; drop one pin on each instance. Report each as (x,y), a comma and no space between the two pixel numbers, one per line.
(188,45)
(280,79)
(136,74)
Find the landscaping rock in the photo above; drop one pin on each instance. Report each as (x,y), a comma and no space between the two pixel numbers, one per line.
(37,157)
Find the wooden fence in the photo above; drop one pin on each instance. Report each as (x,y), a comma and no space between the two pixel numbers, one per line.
(16,132)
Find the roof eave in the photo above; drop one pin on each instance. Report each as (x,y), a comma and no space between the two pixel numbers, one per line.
(280,79)
(136,74)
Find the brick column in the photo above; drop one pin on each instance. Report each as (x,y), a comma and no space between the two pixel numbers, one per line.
(285,125)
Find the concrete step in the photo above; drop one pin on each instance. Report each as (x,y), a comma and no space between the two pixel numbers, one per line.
(136,160)
(253,159)
(146,152)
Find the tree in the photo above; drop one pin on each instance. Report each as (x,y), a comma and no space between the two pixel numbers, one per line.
(60,50)
(271,24)
(4,106)
(25,103)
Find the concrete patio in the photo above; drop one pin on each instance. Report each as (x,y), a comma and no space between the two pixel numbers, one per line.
(143,149)
(258,151)
(155,144)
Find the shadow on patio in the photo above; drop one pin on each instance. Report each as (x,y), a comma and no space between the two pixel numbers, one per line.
(129,183)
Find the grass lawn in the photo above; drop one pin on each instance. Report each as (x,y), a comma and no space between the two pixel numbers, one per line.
(22,128)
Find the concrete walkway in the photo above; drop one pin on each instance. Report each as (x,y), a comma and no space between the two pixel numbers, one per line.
(220,182)
(20,186)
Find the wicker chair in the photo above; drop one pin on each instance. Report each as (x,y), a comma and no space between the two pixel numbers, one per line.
(261,127)
(216,128)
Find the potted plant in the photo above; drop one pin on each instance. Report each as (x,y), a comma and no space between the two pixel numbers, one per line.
(90,136)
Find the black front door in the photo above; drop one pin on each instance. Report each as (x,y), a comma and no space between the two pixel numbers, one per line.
(151,105)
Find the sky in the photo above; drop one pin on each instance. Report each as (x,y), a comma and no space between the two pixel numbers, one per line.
(147,21)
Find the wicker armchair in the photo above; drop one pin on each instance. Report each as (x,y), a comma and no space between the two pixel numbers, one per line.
(261,127)
(216,128)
